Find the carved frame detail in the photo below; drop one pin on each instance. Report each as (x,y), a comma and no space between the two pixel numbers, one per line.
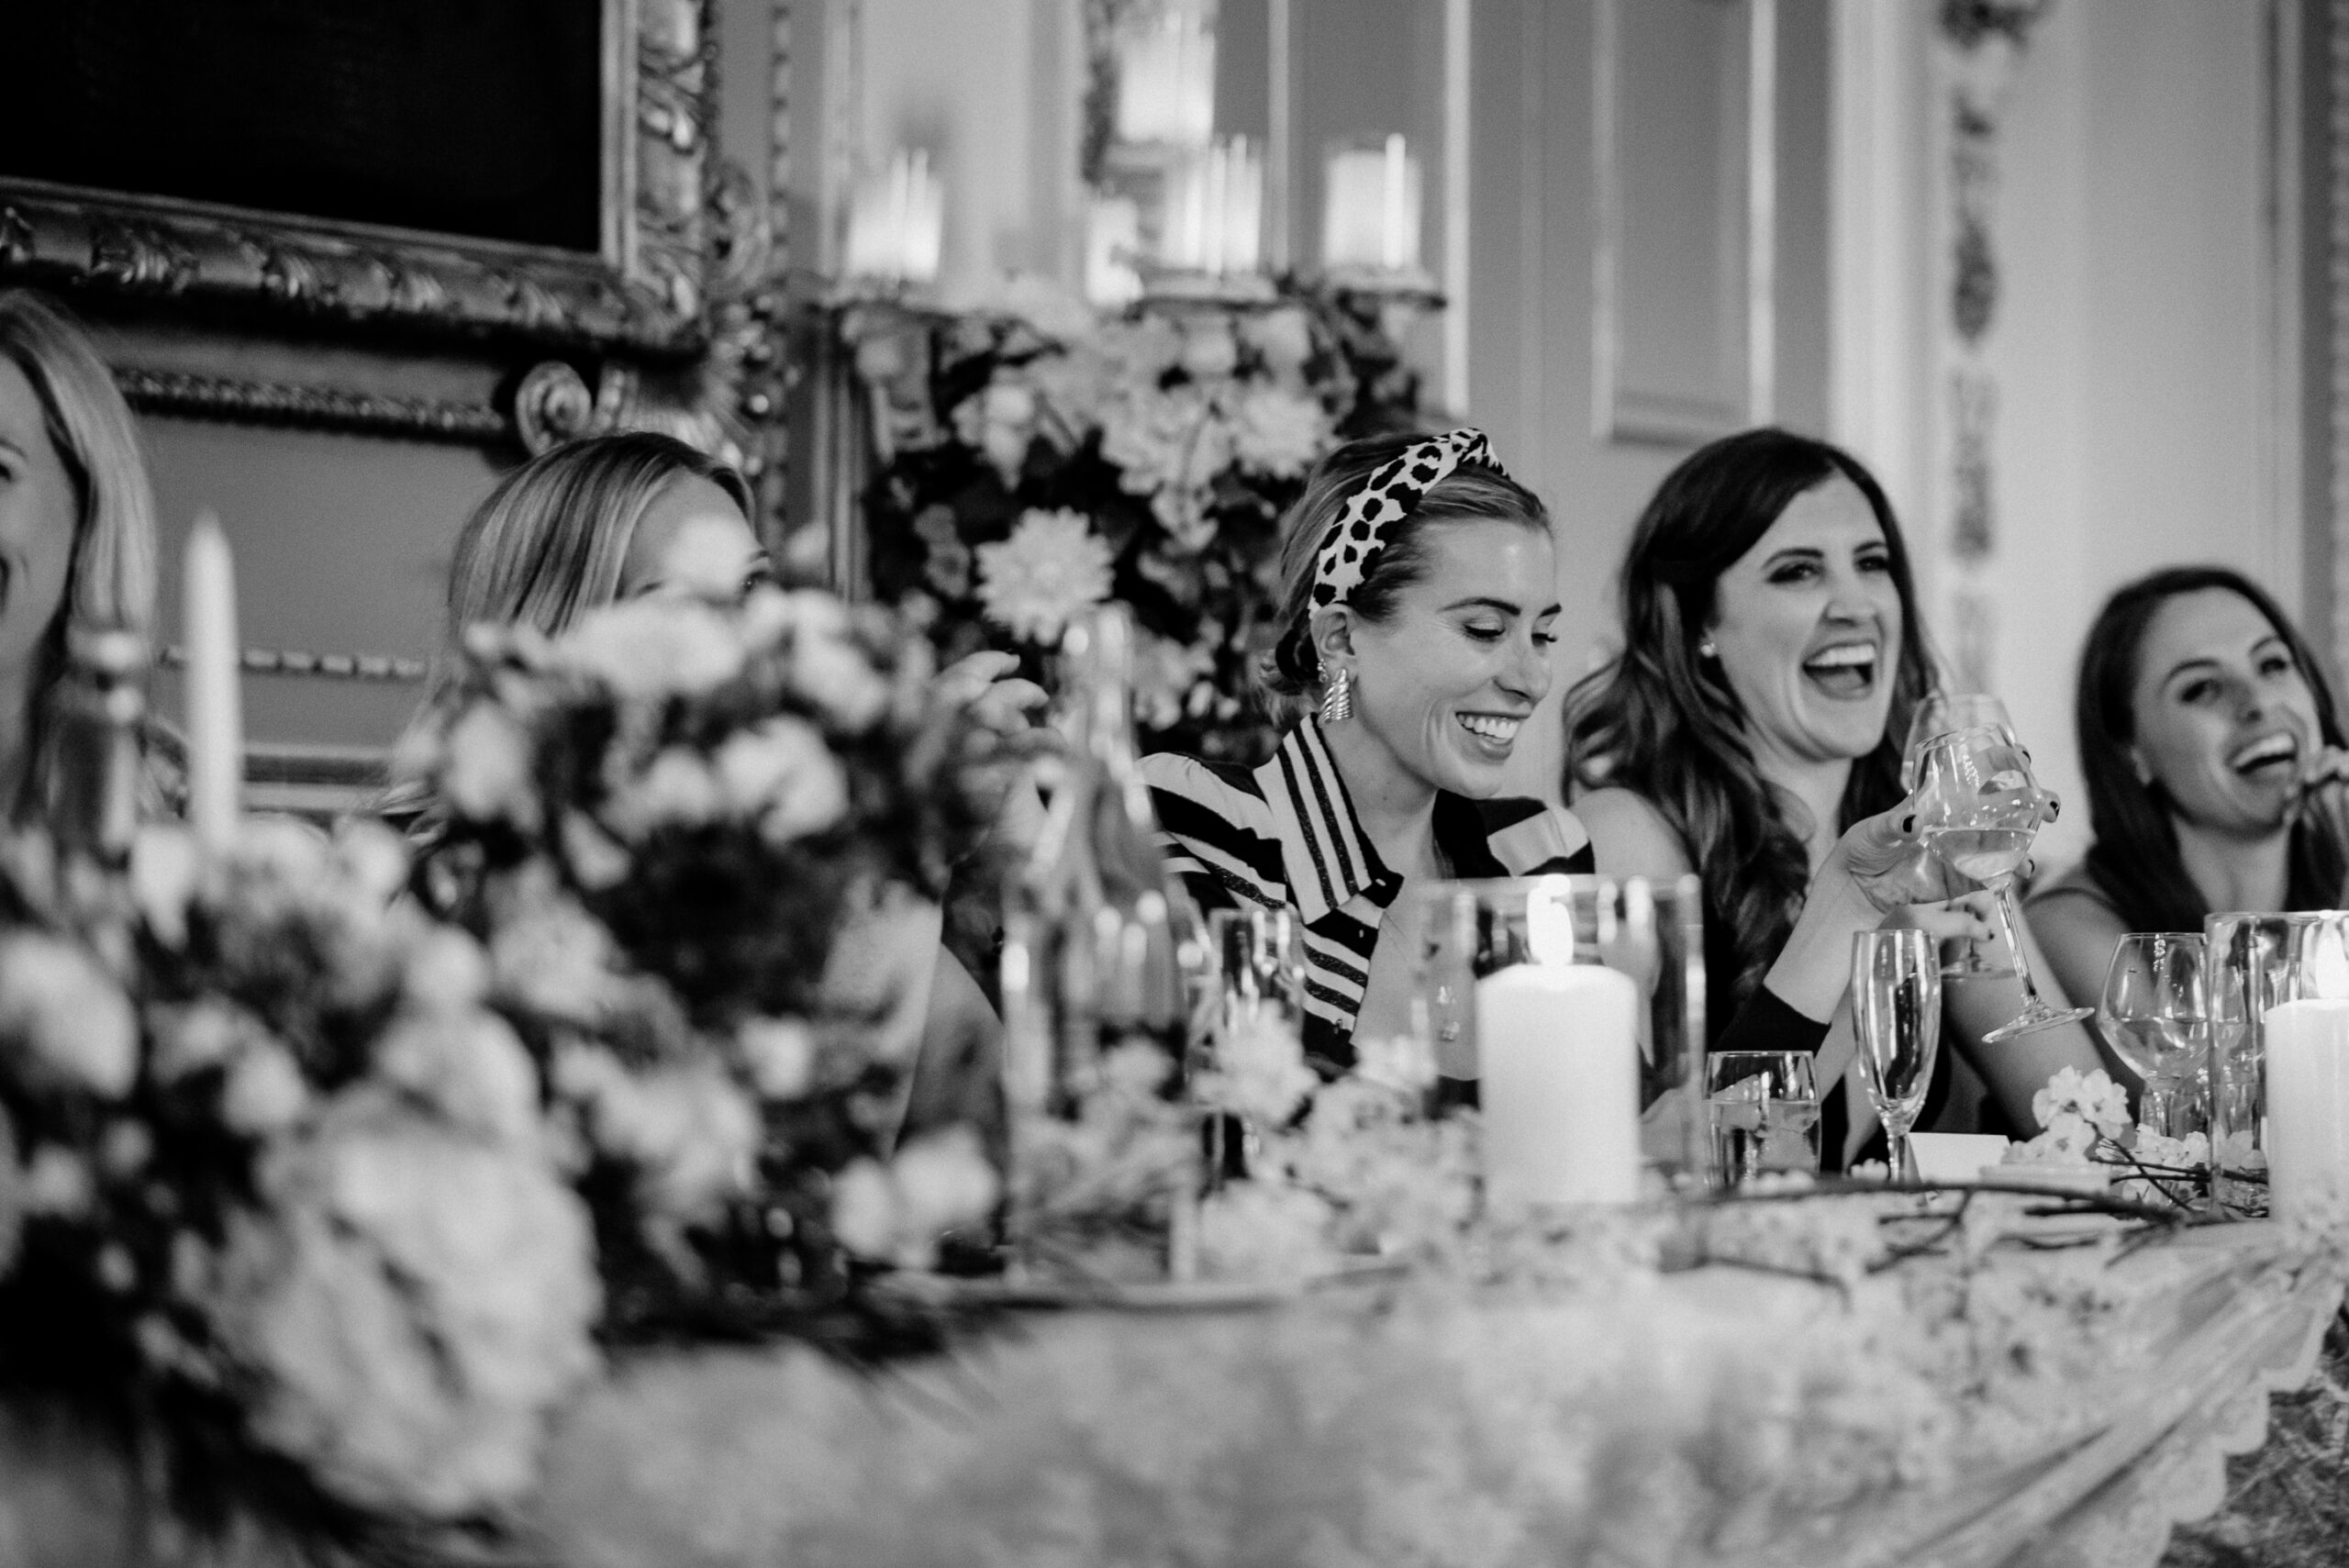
(643,292)
(675,321)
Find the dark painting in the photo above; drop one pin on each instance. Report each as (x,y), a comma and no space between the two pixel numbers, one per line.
(475,118)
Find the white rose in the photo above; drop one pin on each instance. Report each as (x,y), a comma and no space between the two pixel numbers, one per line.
(467,1065)
(372,857)
(446,970)
(783,774)
(943,1181)
(779,1054)
(693,1136)
(58,1182)
(677,790)
(264,1093)
(834,674)
(486,774)
(1210,352)
(648,649)
(864,1209)
(553,959)
(66,1016)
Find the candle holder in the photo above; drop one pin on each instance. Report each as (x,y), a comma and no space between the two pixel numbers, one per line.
(2245,957)
(1474,934)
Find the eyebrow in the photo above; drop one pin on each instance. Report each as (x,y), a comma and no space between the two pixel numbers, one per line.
(2183,665)
(1487,601)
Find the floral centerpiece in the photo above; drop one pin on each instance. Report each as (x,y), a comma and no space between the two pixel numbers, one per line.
(326,1174)
(693,842)
(278,1190)
(1147,460)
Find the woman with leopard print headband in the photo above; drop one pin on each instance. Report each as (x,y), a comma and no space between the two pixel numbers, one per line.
(1419,590)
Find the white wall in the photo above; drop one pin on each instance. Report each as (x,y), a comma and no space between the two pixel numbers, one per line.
(2128,343)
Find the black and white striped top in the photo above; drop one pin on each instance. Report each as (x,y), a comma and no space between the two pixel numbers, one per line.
(1285,834)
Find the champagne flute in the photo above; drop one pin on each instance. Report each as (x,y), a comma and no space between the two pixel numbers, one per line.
(1897,1023)
(1979,808)
(2156,1012)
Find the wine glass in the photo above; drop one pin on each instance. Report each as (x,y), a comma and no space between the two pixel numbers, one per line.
(1942,712)
(1897,1022)
(1979,808)
(2156,1012)
(1938,715)
(1763,1106)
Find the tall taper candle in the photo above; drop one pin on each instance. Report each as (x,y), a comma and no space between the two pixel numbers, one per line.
(215,725)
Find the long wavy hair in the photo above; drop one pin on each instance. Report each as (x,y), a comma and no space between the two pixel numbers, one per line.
(110,581)
(2134,860)
(1289,677)
(1660,721)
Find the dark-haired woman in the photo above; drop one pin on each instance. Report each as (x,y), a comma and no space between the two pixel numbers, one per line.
(1773,658)
(1418,590)
(2214,763)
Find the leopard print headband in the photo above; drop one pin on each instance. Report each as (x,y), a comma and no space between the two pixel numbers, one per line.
(1351,552)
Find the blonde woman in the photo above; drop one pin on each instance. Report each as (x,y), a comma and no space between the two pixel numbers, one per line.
(77,526)
(621,517)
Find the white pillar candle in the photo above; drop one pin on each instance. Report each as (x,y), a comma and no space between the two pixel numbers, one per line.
(216,727)
(1370,210)
(2308,1106)
(1561,1097)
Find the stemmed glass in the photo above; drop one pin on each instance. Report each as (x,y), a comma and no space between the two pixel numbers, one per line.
(1942,712)
(2156,1012)
(1897,1022)
(1979,809)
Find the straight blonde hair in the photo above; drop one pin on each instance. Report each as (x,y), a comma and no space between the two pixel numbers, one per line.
(110,581)
(547,545)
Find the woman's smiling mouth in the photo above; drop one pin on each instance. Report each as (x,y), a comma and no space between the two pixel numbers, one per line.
(1497,731)
(2277,754)
(1846,669)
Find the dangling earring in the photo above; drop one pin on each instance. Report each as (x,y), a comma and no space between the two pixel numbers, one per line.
(1706,650)
(1338,698)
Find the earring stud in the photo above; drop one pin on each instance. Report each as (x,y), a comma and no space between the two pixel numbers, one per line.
(1706,650)
(1338,698)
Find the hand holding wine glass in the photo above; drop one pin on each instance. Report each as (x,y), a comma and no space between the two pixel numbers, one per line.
(1979,807)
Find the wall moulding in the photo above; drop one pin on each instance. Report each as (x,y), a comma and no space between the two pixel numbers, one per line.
(666,313)
(1683,283)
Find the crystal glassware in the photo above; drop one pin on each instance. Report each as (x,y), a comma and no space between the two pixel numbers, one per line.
(1897,1025)
(2244,957)
(1943,712)
(1472,931)
(1258,980)
(2156,1014)
(1763,1108)
(1979,808)
(1940,713)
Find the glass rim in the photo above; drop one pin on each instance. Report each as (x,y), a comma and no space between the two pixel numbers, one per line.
(1760,1055)
(1894,938)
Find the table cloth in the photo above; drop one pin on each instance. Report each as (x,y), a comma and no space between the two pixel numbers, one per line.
(2004,1404)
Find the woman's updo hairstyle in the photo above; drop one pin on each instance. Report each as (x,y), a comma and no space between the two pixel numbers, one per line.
(1289,677)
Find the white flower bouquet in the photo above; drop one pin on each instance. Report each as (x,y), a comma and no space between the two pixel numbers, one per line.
(276,1179)
(695,844)
(1146,460)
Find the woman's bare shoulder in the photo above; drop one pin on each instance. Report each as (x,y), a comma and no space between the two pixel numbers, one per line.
(1629,837)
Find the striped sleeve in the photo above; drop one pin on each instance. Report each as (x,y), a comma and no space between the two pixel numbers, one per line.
(1216,833)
